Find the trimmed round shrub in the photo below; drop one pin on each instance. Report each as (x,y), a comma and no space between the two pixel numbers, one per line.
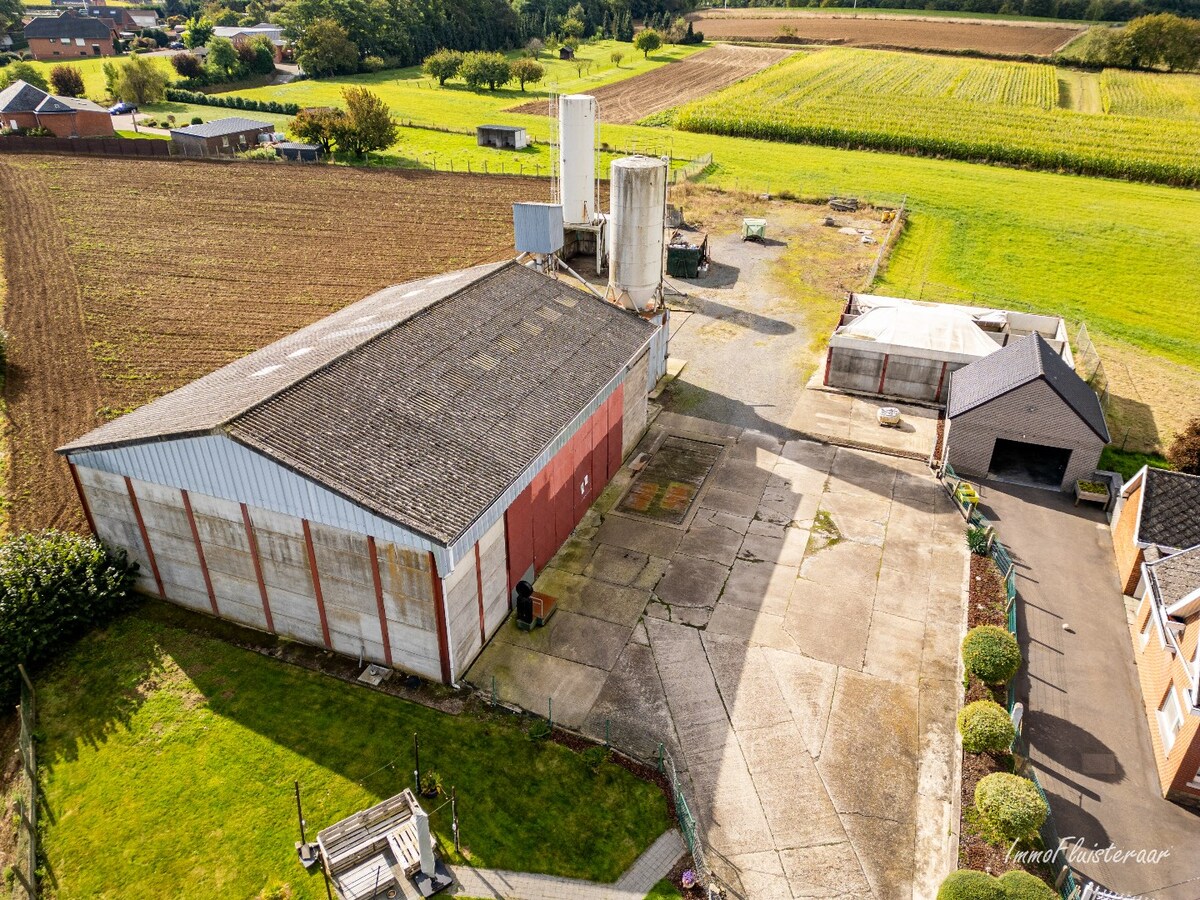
(1010,805)
(985,727)
(990,653)
(1020,885)
(967,884)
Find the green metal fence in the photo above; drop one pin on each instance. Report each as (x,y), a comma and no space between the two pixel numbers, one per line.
(1064,878)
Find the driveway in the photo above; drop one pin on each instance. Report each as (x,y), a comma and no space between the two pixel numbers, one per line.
(1086,724)
(789,634)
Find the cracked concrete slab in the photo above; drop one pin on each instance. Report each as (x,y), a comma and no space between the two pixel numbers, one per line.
(760,586)
(690,581)
(616,564)
(706,539)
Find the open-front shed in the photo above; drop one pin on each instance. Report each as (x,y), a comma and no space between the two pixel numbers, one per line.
(378,482)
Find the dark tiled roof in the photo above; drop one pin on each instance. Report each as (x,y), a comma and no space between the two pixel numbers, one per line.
(422,403)
(21,96)
(221,127)
(1021,362)
(1174,577)
(70,26)
(71,104)
(1170,509)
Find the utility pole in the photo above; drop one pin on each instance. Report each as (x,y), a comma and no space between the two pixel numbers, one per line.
(300,815)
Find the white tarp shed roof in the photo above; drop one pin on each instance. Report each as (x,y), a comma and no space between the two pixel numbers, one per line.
(928,332)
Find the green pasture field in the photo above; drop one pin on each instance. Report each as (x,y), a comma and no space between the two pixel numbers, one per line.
(969,109)
(1122,256)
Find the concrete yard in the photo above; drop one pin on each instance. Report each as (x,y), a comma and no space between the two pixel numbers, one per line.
(794,646)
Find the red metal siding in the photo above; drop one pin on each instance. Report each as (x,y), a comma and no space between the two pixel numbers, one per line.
(616,414)
(518,534)
(543,516)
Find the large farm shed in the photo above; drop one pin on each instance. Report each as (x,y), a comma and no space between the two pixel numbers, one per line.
(378,482)
(906,348)
(1022,414)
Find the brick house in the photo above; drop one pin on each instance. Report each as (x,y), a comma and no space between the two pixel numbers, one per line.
(1157,514)
(71,36)
(220,136)
(1021,414)
(240,35)
(23,106)
(1166,638)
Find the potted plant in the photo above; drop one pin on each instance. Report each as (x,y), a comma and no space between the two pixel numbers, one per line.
(1096,491)
(431,784)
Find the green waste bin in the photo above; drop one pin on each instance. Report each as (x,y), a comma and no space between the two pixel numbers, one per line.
(683,262)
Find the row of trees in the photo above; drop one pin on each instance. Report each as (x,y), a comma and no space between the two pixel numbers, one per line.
(479,69)
(1159,41)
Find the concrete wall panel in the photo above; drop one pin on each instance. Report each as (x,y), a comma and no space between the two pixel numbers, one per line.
(495,578)
(116,524)
(634,416)
(461,590)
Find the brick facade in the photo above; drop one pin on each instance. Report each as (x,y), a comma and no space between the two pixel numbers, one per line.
(80,123)
(1160,670)
(1124,534)
(50,49)
(1034,414)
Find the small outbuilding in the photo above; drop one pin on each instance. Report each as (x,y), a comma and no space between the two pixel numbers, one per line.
(220,137)
(298,152)
(502,137)
(378,483)
(566,53)
(1021,414)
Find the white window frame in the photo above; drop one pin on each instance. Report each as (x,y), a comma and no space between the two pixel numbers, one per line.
(1170,725)
(1144,637)
(80,42)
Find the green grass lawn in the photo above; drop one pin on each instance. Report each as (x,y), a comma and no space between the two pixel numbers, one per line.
(92,71)
(168,760)
(1128,463)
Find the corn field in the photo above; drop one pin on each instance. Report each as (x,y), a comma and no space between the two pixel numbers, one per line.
(965,109)
(1150,94)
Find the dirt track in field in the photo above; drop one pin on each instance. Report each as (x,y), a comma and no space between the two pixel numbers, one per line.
(129,278)
(689,79)
(998,38)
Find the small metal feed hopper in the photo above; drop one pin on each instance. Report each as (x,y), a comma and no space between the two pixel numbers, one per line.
(754,229)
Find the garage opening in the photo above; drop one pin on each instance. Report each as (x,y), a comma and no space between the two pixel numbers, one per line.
(1032,464)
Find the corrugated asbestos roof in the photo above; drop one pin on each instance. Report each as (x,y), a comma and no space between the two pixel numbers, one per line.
(221,127)
(1170,509)
(1016,365)
(421,403)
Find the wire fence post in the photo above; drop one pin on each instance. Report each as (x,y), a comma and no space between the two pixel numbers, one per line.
(27,803)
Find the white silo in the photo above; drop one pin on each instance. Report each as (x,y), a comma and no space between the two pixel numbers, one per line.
(577,158)
(638,199)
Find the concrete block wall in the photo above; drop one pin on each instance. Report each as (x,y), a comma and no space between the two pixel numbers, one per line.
(343,589)
(1033,414)
(633,421)
(854,370)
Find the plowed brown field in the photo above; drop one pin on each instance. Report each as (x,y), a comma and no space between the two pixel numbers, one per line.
(689,79)
(129,278)
(998,38)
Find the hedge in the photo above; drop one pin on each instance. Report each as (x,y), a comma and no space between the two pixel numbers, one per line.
(1010,805)
(991,653)
(1020,885)
(176,95)
(54,587)
(967,884)
(985,727)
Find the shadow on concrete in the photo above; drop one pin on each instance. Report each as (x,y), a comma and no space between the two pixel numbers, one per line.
(1072,823)
(720,312)
(719,275)
(1073,747)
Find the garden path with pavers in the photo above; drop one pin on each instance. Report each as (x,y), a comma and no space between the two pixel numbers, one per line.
(794,646)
